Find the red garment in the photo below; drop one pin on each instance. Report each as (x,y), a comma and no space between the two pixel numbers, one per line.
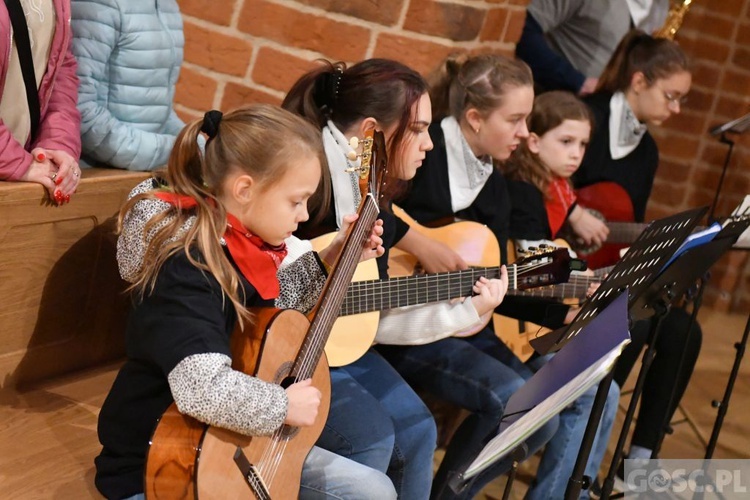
(258,261)
(558,202)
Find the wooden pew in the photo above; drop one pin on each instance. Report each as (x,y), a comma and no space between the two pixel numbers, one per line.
(62,305)
(62,315)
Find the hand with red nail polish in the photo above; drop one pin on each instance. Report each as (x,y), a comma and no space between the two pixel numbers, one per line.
(42,171)
(68,171)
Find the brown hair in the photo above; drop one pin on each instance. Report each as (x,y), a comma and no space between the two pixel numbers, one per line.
(379,88)
(479,82)
(550,110)
(261,140)
(638,52)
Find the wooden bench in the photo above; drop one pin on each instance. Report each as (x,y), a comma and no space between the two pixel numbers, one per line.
(62,315)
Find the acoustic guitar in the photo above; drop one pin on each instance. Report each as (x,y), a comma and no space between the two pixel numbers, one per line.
(609,202)
(188,459)
(355,330)
(478,246)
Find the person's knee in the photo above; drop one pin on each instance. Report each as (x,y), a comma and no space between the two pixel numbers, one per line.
(499,394)
(376,486)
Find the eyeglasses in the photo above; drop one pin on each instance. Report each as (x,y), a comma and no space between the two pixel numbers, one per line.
(674,99)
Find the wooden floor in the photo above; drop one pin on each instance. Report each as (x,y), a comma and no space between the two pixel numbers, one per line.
(48,434)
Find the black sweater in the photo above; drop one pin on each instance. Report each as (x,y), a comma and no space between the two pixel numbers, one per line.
(635,172)
(429,200)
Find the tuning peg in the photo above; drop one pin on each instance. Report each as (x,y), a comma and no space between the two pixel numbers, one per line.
(532,249)
(354,142)
(351,155)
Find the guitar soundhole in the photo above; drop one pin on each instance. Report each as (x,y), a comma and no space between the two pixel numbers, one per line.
(285,379)
(288,432)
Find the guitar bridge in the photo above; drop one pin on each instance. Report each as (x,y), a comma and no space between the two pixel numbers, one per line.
(251,475)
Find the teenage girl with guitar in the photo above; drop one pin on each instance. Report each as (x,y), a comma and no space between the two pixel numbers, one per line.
(198,254)
(389,96)
(645,83)
(482,104)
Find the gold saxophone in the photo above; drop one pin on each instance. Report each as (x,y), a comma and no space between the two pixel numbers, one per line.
(674,19)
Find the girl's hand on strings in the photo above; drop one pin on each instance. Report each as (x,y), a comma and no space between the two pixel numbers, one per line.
(490,293)
(591,230)
(304,401)
(372,247)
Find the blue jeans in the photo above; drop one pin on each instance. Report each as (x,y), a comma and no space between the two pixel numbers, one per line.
(376,419)
(456,371)
(327,476)
(561,452)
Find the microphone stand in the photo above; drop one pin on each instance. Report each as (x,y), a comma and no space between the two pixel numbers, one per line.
(737,126)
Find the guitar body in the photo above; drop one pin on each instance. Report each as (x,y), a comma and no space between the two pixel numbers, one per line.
(476,244)
(471,240)
(352,335)
(187,459)
(613,203)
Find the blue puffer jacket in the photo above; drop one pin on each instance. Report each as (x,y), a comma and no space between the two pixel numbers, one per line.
(129,55)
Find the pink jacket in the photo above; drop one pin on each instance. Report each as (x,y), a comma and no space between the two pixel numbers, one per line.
(60,122)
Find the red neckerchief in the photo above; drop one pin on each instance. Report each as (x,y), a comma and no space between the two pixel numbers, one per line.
(560,197)
(258,261)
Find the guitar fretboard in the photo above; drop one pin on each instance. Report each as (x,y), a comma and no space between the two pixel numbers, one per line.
(378,295)
(624,232)
(335,291)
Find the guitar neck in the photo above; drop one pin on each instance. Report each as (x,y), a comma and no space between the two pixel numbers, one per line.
(335,291)
(379,295)
(624,232)
(576,288)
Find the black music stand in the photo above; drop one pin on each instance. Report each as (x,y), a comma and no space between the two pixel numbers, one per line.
(669,285)
(728,236)
(580,365)
(636,272)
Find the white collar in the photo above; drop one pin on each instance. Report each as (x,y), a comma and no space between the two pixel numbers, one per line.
(467,174)
(625,131)
(346,195)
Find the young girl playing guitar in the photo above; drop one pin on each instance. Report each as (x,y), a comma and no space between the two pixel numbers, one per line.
(199,253)
(389,96)
(482,103)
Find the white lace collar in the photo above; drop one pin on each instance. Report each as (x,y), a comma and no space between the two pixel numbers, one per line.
(625,131)
(346,195)
(467,174)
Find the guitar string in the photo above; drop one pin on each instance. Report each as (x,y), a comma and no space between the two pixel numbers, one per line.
(311,357)
(363,296)
(376,290)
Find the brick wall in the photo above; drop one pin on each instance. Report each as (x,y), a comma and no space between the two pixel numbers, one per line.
(716,35)
(240,51)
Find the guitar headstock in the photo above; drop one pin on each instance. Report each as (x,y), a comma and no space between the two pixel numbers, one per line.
(374,161)
(545,266)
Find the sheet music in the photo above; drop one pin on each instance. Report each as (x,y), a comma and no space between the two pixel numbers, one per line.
(521,429)
(694,240)
(576,367)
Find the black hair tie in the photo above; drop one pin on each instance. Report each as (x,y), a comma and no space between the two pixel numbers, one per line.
(211,121)
(326,91)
